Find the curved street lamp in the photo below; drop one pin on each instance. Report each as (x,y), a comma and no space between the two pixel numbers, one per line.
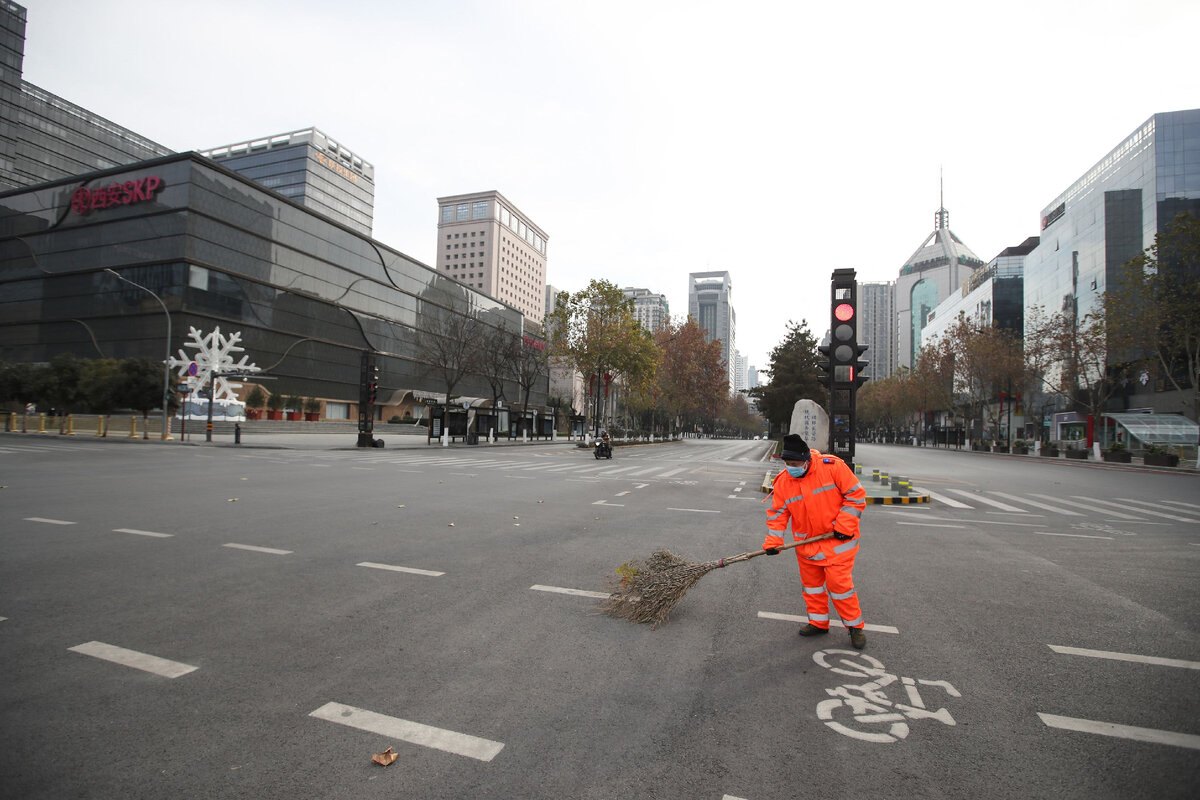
(166,357)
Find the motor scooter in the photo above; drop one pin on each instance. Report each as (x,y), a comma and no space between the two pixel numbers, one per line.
(603,449)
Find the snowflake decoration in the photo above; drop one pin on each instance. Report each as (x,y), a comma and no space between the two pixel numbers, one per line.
(213,355)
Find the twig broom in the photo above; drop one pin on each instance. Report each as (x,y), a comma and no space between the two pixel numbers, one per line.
(647,591)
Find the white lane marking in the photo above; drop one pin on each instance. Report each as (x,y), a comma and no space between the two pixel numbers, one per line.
(674,472)
(732,797)
(618,469)
(1139,510)
(603,503)
(695,510)
(560,590)
(49,521)
(931,525)
(1072,535)
(3,618)
(943,499)
(1151,735)
(643,472)
(832,622)
(1181,503)
(1155,505)
(132,658)
(1157,661)
(394,568)
(981,499)
(258,549)
(459,744)
(143,533)
(1018,524)
(1036,504)
(1086,507)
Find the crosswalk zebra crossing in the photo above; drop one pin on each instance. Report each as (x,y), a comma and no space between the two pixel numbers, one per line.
(1119,508)
(591,468)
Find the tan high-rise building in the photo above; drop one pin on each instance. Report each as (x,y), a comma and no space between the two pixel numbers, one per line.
(485,242)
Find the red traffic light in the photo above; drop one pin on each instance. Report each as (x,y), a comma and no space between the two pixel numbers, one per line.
(843,312)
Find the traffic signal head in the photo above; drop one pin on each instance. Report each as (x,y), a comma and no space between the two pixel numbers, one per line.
(825,365)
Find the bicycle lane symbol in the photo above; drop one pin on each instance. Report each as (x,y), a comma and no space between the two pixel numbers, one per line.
(865,707)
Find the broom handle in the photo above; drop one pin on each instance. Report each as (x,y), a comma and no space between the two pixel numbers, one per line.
(724,562)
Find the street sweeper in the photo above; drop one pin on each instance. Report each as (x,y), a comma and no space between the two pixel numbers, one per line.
(817,495)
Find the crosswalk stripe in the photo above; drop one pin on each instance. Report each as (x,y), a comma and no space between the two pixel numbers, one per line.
(674,472)
(1036,504)
(945,500)
(1135,658)
(1086,507)
(1155,505)
(1140,510)
(1181,503)
(980,498)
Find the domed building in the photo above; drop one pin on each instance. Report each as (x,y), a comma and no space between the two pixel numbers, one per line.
(937,269)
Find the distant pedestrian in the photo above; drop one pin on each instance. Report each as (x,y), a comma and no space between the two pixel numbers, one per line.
(819,494)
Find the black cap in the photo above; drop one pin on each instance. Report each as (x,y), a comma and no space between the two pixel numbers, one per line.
(795,448)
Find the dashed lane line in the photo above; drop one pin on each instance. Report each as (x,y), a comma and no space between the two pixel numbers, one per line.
(537,587)
(394,568)
(931,525)
(832,622)
(143,533)
(1137,659)
(460,744)
(1099,728)
(255,548)
(1072,535)
(47,521)
(695,510)
(134,659)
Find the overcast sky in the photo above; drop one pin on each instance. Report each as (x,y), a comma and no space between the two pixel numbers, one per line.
(776,140)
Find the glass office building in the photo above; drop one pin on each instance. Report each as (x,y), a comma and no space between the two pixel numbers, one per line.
(710,303)
(309,167)
(42,136)
(1110,215)
(308,295)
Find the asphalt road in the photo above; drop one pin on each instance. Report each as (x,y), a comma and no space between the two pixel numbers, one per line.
(211,622)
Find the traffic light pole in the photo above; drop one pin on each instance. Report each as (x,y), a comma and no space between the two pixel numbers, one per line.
(842,363)
(368,388)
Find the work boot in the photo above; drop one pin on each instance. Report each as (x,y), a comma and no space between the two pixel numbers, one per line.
(812,630)
(858,638)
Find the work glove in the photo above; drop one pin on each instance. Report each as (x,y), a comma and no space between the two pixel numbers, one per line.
(771,545)
(841,537)
(771,551)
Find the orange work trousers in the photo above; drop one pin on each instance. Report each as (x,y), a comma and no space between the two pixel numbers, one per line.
(822,582)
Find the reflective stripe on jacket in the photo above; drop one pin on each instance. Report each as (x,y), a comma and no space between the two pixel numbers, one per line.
(829,497)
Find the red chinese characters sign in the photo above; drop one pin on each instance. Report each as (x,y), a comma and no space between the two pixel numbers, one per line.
(117,194)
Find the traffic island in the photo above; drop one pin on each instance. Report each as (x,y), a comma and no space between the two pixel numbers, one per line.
(882,489)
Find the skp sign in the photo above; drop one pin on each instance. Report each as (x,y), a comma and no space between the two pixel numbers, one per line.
(86,200)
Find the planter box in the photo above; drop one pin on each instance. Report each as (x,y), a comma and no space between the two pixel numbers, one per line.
(312,416)
(293,415)
(274,415)
(1020,450)
(1118,456)
(1050,451)
(1077,454)
(253,413)
(1161,460)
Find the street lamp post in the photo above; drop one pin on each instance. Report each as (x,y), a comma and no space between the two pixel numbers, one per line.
(166,357)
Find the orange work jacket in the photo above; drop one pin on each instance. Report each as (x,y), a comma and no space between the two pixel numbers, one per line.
(829,497)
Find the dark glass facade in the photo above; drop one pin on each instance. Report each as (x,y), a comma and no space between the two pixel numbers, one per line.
(307,295)
(310,168)
(42,136)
